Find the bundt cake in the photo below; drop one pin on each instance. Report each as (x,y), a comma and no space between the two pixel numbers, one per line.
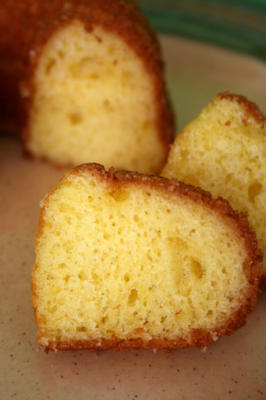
(224,151)
(83,81)
(125,260)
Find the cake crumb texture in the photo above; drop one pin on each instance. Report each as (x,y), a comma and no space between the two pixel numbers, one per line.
(95,100)
(224,151)
(125,260)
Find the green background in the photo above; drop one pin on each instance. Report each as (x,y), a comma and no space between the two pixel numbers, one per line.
(234,24)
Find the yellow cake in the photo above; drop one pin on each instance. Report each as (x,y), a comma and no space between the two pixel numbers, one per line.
(82,81)
(125,260)
(224,151)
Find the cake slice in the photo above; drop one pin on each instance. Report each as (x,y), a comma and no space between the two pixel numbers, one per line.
(224,151)
(83,81)
(125,260)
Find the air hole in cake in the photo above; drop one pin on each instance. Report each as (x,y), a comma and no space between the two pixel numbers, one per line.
(209,313)
(81,329)
(61,266)
(52,309)
(254,190)
(120,195)
(94,76)
(213,283)
(183,154)
(146,125)
(104,320)
(66,278)
(228,178)
(177,244)
(132,298)
(196,268)
(136,218)
(82,276)
(60,54)
(49,66)
(85,67)
(95,277)
(68,220)
(107,104)
(75,118)
(149,257)
(106,236)
(126,278)
(163,318)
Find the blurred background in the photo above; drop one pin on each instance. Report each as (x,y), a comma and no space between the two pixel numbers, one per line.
(235,24)
(211,46)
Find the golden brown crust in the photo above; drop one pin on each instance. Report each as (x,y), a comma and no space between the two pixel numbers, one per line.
(199,338)
(249,107)
(252,265)
(39,20)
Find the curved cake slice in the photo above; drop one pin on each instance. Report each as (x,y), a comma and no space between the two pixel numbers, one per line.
(125,260)
(84,82)
(224,151)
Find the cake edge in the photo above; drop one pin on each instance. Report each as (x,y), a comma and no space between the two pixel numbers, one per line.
(249,106)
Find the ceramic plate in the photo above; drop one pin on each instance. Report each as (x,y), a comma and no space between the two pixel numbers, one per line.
(232,368)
